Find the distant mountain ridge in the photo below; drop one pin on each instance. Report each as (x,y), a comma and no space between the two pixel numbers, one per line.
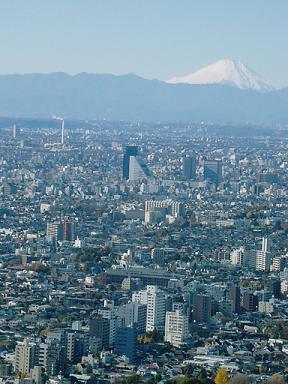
(130,97)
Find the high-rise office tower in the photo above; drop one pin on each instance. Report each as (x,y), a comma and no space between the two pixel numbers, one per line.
(62,131)
(25,355)
(213,171)
(62,128)
(189,167)
(276,287)
(125,342)
(131,150)
(176,328)
(201,308)
(234,296)
(138,169)
(14,131)
(68,230)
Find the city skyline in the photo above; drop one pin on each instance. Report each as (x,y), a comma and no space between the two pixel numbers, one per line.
(144,215)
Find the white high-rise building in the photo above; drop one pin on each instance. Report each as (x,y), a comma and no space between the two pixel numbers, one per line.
(266,244)
(176,328)
(140,296)
(133,314)
(156,306)
(263,257)
(263,261)
(14,130)
(237,256)
(62,131)
(156,309)
(25,356)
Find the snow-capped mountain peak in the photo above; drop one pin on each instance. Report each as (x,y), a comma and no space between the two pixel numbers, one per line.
(226,72)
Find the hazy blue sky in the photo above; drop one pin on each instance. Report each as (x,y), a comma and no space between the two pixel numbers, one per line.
(153,38)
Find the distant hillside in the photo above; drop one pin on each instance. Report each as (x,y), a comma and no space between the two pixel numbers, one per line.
(129,97)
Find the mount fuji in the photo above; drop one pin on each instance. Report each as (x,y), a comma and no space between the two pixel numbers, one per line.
(226,72)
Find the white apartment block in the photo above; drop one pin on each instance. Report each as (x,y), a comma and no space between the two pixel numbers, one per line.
(176,328)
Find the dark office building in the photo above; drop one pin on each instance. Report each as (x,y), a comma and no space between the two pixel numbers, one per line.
(52,355)
(131,150)
(100,328)
(77,343)
(213,171)
(189,167)
(276,287)
(9,189)
(125,342)
(234,296)
(267,177)
(68,230)
(250,302)
(201,308)
(61,230)
(141,322)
